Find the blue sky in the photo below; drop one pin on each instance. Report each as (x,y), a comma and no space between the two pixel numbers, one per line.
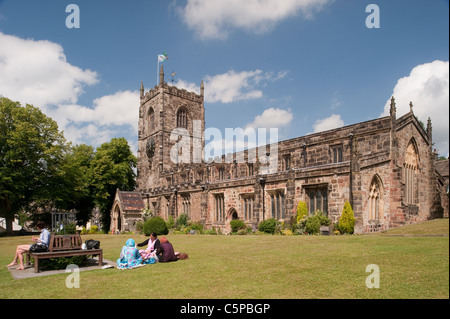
(299,65)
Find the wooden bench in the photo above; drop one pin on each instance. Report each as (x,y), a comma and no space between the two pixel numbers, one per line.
(64,246)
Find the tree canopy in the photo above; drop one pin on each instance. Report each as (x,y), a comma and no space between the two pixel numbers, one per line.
(31,151)
(39,170)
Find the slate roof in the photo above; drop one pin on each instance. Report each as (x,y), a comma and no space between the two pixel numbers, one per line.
(131,201)
(442,168)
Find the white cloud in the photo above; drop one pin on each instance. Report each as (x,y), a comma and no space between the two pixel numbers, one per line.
(427,86)
(213,19)
(98,124)
(37,72)
(329,123)
(272,118)
(233,86)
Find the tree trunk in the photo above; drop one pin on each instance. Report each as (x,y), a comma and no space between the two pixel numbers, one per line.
(5,211)
(9,225)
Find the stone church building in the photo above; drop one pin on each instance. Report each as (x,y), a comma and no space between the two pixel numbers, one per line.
(384,167)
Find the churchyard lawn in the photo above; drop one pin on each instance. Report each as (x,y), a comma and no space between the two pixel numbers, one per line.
(413,262)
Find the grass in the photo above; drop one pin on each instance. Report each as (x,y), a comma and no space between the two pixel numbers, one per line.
(413,262)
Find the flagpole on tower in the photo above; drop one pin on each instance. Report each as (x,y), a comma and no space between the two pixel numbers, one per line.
(161,58)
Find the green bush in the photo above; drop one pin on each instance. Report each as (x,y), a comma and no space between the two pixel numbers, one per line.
(170,222)
(67,229)
(140,226)
(236,225)
(210,232)
(242,232)
(311,224)
(93,229)
(347,221)
(302,211)
(182,221)
(197,227)
(268,226)
(84,231)
(157,225)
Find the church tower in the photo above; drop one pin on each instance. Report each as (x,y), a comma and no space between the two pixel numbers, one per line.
(167,116)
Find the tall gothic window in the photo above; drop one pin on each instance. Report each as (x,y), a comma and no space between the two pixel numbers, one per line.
(250,169)
(410,167)
(221,171)
(277,205)
(374,200)
(286,162)
(337,154)
(248,207)
(186,206)
(220,207)
(151,119)
(317,199)
(182,118)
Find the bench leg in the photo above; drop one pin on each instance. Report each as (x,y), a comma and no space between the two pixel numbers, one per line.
(36,264)
(100,259)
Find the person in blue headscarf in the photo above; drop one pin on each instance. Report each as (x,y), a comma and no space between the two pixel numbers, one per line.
(129,256)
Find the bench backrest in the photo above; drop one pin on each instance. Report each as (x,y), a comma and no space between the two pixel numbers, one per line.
(65,242)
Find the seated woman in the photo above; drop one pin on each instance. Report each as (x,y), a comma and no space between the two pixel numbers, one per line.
(153,245)
(165,252)
(129,256)
(43,239)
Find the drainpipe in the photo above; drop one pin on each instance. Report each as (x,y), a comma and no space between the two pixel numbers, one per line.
(262,181)
(351,171)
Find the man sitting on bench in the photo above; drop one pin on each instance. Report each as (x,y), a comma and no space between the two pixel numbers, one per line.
(44,239)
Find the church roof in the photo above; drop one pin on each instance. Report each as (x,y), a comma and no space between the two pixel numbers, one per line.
(442,168)
(131,201)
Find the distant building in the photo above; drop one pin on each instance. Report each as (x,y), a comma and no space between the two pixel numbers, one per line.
(384,167)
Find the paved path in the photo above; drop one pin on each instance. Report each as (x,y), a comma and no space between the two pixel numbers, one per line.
(28,272)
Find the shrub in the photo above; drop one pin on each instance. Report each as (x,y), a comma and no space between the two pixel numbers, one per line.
(196,226)
(67,229)
(170,222)
(311,224)
(93,229)
(157,225)
(182,221)
(268,226)
(302,211)
(347,221)
(236,225)
(140,226)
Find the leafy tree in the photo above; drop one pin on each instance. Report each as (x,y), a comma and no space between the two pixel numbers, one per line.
(31,150)
(112,168)
(77,172)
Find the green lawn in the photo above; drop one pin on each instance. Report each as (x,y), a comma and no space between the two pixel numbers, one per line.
(412,266)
